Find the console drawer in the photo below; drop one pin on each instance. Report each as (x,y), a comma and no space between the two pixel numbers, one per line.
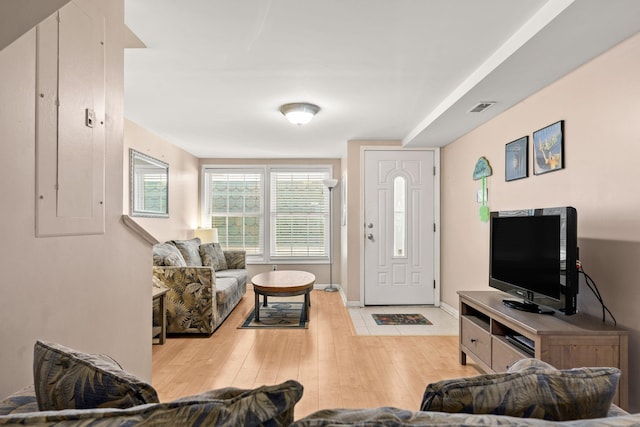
(503,355)
(476,339)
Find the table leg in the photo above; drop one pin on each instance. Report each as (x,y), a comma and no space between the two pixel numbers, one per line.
(163,321)
(257,308)
(265,302)
(307,305)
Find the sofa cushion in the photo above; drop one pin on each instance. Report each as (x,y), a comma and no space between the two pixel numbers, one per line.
(239,274)
(69,379)
(530,364)
(166,254)
(394,417)
(189,250)
(22,401)
(226,287)
(264,406)
(531,393)
(213,256)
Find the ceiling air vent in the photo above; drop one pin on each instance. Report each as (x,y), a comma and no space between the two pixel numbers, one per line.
(480,107)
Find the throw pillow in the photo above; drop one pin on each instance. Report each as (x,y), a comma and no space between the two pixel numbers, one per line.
(213,256)
(189,250)
(68,379)
(530,363)
(166,254)
(556,395)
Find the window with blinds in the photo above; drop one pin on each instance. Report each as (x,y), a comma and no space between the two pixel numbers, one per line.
(294,227)
(299,213)
(234,204)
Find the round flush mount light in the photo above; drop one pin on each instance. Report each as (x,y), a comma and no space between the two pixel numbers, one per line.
(299,113)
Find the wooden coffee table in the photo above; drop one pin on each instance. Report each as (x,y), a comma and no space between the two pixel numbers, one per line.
(283,283)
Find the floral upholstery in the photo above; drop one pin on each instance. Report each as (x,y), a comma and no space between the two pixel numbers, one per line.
(394,417)
(189,250)
(200,296)
(533,392)
(68,379)
(167,254)
(190,299)
(263,406)
(236,260)
(20,402)
(213,256)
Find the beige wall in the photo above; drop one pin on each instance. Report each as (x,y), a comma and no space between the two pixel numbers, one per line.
(183,183)
(321,271)
(600,104)
(92,293)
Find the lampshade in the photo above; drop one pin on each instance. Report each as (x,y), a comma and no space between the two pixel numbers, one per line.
(299,113)
(330,183)
(206,235)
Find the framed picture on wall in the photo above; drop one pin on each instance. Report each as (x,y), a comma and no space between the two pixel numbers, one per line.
(516,159)
(548,148)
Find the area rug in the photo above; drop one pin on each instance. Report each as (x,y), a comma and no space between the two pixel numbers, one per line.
(401,319)
(279,314)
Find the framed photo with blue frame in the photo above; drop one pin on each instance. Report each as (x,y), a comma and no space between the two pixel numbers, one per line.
(548,148)
(516,159)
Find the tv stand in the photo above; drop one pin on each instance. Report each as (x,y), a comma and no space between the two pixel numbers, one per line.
(496,336)
(525,306)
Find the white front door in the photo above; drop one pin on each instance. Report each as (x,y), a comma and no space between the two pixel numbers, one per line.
(399,221)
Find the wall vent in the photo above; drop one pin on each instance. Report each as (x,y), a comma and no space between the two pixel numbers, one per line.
(480,107)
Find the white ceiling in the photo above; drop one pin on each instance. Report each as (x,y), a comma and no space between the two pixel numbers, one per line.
(215,72)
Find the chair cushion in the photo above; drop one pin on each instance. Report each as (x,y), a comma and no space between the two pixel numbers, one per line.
(166,254)
(213,256)
(556,395)
(189,250)
(69,379)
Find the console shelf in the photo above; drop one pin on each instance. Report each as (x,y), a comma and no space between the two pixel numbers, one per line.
(562,341)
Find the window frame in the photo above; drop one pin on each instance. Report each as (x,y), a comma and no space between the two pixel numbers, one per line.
(267,239)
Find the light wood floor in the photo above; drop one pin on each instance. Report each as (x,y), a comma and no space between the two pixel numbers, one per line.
(336,367)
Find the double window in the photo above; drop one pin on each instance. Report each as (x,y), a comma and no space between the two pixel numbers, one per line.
(275,214)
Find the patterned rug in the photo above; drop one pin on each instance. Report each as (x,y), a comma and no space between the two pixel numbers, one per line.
(401,319)
(279,314)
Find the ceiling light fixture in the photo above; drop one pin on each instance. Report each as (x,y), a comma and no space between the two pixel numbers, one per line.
(299,113)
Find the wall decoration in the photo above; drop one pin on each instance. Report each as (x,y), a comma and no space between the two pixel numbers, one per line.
(516,159)
(481,171)
(548,148)
(148,186)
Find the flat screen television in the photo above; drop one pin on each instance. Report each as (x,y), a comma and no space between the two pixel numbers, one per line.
(533,256)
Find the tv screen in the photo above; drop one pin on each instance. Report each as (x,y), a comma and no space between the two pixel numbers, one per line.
(529,255)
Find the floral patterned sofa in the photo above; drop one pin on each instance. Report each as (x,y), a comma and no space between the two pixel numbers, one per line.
(530,393)
(205,283)
(72,388)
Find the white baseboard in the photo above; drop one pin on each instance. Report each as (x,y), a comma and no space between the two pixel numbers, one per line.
(452,311)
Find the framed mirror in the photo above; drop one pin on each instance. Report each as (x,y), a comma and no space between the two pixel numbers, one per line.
(148,186)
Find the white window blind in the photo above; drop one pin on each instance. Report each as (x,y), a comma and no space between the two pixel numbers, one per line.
(299,223)
(234,204)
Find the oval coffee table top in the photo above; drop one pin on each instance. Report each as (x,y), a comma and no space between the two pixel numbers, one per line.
(283,280)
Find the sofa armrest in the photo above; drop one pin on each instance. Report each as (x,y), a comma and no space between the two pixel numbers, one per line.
(191,298)
(236,260)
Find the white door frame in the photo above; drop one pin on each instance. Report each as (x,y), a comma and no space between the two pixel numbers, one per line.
(436,215)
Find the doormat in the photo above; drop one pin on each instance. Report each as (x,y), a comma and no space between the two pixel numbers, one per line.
(277,315)
(401,319)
